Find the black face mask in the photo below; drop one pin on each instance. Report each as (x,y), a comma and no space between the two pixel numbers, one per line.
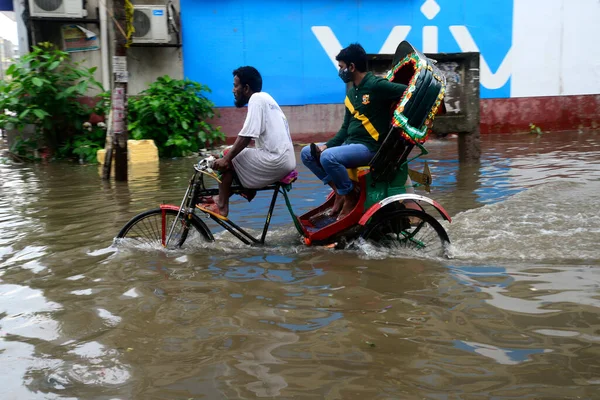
(345,75)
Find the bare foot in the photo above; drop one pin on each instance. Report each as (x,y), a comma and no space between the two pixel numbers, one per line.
(214,209)
(350,201)
(209,199)
(338,203)
(223,209)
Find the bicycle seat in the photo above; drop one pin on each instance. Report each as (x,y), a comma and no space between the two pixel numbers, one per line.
(289,178)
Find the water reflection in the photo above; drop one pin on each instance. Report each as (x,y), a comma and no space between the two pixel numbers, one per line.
(532,290)
(514,314)
(500,355)
(27,313)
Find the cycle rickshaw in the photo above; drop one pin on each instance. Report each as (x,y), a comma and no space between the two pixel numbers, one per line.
(387,213)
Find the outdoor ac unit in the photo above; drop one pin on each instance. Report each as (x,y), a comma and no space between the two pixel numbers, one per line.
(57,8)
(150,24)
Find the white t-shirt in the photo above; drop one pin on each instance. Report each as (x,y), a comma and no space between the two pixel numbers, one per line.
(273,156)
(267,124)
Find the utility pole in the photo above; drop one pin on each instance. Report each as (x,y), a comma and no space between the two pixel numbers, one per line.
(119,97)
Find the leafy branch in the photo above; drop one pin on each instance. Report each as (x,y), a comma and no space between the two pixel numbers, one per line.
(173,113)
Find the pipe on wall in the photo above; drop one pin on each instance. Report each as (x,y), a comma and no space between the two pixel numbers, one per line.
(104,45)
(23,35)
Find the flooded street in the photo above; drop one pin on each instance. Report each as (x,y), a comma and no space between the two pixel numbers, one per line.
(515,313)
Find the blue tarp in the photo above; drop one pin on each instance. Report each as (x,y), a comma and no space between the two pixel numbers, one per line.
(6,5)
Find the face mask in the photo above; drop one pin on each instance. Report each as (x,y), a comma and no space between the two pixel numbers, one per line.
(345,75)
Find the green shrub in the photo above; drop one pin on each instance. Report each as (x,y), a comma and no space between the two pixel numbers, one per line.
(173,113)
(85,145)
(42,89)
(24,149)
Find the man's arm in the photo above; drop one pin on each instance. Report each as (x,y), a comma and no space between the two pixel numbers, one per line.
(253,126)
(387,90)
(342,134)
(240,144)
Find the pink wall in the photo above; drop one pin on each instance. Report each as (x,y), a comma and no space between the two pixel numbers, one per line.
(551,113)
(561,113)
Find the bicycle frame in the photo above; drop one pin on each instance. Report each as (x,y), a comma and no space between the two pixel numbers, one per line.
(196,189)
(239,232)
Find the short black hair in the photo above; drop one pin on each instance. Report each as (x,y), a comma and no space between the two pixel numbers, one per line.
(354,54)
(249,76)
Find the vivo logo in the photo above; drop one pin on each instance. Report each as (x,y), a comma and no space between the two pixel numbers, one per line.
(460,33)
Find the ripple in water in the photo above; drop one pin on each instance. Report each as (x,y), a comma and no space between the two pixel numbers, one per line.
(553,221)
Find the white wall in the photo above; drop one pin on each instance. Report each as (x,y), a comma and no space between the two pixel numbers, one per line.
(145,64)
(555,48)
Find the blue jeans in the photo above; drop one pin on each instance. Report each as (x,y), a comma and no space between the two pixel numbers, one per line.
(335,160)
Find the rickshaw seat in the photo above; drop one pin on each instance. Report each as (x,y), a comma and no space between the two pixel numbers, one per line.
(355,173)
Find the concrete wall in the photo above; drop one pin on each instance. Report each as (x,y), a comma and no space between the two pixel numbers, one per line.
(555,48)
(51,32)
(145,64)
(539,62)
(295,51)
(313,122)
(319,122)
(551,113)
(527,47)
(148,63)
(6,55)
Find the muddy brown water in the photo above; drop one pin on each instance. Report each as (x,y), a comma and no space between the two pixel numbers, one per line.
(515,313)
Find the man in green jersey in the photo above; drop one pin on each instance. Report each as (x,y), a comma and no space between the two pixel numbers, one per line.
(368,115)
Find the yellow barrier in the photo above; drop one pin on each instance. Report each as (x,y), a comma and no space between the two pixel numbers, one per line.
(138,151)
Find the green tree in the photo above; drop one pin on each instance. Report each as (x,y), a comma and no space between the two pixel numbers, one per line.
(42,89)
(173,113)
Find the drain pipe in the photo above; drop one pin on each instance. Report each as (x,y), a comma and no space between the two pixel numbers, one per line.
(104,45)
(22,32)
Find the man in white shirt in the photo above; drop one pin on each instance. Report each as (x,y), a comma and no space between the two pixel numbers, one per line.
(271,159)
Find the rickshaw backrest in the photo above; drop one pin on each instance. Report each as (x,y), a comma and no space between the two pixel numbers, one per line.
(413,115)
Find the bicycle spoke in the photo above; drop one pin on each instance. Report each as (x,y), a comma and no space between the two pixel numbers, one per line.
(150,233)
(153,233)
(409,229)
(148,230)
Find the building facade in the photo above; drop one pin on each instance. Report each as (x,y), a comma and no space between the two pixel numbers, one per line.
(531,51)
(145,61)
(7,55)
(539,62)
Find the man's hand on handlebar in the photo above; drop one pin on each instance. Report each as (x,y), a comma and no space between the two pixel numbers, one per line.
(222,164)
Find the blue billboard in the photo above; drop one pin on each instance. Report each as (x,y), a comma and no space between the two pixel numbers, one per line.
(294,43)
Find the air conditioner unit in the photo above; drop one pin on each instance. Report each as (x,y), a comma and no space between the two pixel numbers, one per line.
(150,24)
(57,8)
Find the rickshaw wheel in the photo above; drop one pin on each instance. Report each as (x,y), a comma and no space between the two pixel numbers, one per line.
(153,227)
(407,229)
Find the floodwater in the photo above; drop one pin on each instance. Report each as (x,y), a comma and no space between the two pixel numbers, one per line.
(515,313)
